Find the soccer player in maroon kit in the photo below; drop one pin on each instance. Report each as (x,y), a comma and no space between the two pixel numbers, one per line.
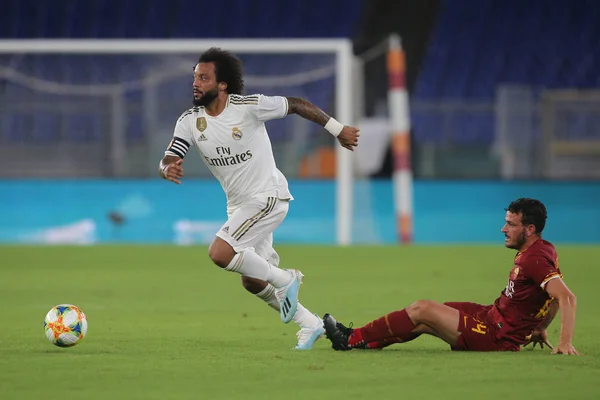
(534,293)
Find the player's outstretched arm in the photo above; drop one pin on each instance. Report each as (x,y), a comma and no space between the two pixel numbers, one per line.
(346,135)
(567,303)
(170,168)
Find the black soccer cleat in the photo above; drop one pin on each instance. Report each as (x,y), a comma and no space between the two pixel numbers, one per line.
(337,333)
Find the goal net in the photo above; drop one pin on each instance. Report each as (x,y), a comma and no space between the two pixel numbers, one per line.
(107,108)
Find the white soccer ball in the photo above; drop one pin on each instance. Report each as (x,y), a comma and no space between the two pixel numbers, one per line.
(65,325)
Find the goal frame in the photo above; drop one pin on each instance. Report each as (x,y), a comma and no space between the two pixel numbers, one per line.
(342,48)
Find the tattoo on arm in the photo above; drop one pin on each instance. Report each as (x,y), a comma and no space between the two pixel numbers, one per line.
(307,110)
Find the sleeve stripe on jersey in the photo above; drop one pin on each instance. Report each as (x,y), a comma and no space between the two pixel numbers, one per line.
(188,112)
(244,100)
(179,147)
(245,103)
(549,278)
(185,114)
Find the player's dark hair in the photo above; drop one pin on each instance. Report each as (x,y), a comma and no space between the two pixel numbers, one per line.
(533,212)
(228,68)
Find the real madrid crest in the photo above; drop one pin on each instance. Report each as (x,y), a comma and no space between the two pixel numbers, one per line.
(201,123)
(236,133)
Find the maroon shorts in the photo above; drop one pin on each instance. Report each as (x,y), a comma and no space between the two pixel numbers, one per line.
(477,332)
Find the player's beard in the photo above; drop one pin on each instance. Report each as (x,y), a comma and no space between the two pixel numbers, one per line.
(519,242)
(206,98)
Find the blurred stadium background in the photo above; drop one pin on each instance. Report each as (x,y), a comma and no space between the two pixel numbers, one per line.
(504,102)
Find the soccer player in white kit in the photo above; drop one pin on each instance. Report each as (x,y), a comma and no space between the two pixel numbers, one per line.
(228,131)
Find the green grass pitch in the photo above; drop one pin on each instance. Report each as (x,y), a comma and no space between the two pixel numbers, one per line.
(166,324)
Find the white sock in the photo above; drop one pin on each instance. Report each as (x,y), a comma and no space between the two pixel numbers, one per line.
(306,319)
(268,296)
(250,264)
(303,317)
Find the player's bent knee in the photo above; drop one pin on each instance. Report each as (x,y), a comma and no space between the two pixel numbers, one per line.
(220,252)
(420,310)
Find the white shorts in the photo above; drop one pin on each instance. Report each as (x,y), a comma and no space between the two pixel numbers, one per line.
(252,224)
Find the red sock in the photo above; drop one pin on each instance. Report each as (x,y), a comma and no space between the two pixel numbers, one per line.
(356,338)
(380,344)
(395,327)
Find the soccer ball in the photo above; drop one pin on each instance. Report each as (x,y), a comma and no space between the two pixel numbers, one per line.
(65,325)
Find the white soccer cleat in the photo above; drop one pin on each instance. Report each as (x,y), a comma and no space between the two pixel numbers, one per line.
(288,296)
(308,336)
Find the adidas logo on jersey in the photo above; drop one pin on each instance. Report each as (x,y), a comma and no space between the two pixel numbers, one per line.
(202,138)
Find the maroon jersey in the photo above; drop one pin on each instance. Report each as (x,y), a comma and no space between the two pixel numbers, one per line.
(524,302)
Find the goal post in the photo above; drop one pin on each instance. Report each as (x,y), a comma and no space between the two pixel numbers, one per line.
(112,95)
(400,125)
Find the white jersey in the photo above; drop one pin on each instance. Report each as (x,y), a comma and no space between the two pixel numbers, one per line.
(235,146)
